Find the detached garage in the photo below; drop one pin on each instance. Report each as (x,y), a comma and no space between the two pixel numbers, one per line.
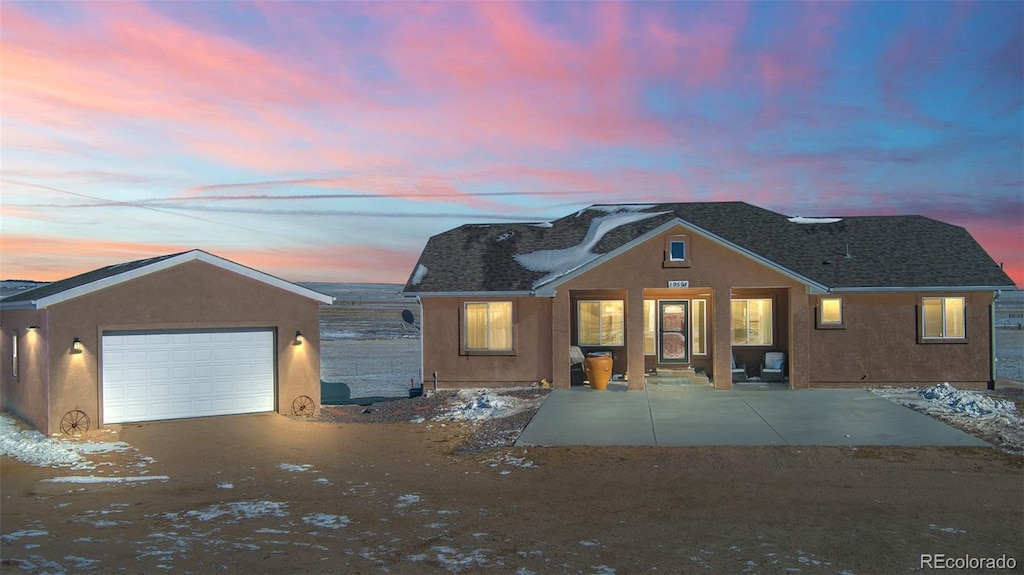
(177,336)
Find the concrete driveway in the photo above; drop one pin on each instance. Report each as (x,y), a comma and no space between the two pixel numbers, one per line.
(672,415)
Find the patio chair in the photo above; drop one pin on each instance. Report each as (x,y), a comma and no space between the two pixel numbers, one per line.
(576,359)
(773,366)
(739,372)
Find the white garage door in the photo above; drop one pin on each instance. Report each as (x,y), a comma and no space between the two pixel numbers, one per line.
(168,375)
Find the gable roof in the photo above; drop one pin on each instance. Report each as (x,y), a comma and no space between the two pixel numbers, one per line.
(63,290)
(886,252)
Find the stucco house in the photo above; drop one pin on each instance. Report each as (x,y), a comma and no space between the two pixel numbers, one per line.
(850,301)
(176,336)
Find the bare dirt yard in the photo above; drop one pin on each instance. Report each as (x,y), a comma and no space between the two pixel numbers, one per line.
(369,492)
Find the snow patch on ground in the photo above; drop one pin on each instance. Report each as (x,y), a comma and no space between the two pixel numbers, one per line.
(479,405)
(34,448)
(326,521)
(236,510)
(407,500)
(993,419)
(295,468)
(101,479)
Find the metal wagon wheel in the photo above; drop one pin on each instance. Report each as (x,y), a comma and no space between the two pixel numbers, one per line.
(303,406)
(74,421)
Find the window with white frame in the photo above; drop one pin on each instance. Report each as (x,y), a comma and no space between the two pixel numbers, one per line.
(488,326)
(752,321)
(600,322)
(650,326)
(698,326)
(677,250)
(830,312)
(943,318)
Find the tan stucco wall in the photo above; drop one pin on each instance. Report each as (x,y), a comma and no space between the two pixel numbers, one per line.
(441,333)
(713,269)
(25,395)
(879,344)
(193,295)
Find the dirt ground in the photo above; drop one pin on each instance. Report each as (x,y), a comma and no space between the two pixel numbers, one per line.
(273,494)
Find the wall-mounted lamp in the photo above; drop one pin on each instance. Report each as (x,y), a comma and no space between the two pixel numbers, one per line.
(298,338)
(33,327)
(77,345)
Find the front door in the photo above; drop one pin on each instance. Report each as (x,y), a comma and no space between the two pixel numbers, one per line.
(673,329)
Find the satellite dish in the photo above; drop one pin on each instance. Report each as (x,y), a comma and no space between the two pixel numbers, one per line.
(407,317)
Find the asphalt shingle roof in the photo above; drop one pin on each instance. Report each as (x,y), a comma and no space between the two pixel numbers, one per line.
(886,251)
(83,279)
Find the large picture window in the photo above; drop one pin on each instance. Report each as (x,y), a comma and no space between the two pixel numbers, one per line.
(943,318)
(752,321)
(600,322)
(488,326)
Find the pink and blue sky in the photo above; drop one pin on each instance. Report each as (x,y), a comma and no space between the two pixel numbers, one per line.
(326,141)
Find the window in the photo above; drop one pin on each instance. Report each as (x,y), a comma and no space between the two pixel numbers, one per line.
(943,318)
(677,250)
(698,326)
(488,326)
(14,354)
(600,322)
(830,312)
(650,326)
(752,322)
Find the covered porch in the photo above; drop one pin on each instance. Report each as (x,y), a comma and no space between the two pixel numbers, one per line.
(680,334)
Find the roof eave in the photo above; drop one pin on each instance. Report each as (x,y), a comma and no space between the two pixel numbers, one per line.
(478,293)
(20,304)
(898,289)
(193,255)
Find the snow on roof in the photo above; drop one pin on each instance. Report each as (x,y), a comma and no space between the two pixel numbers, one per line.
(560,262)
(417,276)
(803,220)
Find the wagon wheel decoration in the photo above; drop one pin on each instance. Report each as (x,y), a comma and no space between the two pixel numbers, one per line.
(74,421)
(303,406)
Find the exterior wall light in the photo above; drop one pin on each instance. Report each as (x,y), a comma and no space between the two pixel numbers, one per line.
(77,345)
(33,327)
(298,338)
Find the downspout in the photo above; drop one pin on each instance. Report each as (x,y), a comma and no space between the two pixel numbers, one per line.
(992,341)
(420,302)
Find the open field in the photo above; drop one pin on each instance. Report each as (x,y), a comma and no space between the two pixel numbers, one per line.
(275,494)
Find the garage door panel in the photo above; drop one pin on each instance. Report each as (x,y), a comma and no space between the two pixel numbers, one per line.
(149,376)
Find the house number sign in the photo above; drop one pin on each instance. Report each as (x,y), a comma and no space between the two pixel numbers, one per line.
(679,284)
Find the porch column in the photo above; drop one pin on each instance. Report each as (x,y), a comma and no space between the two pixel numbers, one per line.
(561,377)
(801,322)
(722,343)
(635,337)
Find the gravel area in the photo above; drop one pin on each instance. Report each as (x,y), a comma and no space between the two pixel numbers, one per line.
(488,432)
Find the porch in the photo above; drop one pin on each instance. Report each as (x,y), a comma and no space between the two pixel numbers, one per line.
(687,336)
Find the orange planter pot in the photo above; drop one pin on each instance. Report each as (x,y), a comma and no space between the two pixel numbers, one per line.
(598,367)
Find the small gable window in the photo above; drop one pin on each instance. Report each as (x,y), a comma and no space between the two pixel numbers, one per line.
(677,251)
(830,312)
(487,327)
(943,318)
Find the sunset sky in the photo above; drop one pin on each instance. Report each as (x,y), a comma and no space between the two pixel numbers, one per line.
(326,141)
